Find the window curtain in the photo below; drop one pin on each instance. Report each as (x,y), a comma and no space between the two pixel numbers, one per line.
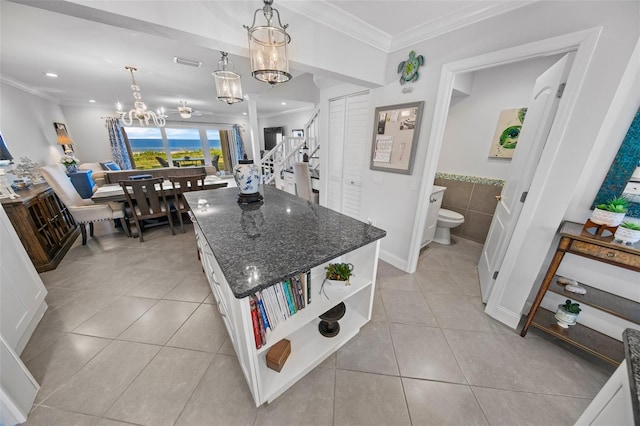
(118,143)
(237,136)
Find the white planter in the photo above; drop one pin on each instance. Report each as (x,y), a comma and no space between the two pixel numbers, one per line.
(626,235)
(338,283)
(604,217)
(565,319)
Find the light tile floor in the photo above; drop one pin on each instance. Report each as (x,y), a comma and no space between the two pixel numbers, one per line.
(132,337)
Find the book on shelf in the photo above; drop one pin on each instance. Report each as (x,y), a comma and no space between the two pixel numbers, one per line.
(284,308)
(299,291)
(308,287)
(261,328)
(256,326)
(287,292)
(263,312)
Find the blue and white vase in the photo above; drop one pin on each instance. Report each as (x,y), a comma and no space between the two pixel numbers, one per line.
(72,168)
(247,176)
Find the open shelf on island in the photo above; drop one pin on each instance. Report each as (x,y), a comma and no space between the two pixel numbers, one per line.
(308,349)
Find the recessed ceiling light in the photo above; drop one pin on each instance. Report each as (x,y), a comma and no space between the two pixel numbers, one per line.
(51,74)
(93,101)
(283,103)
(244,113)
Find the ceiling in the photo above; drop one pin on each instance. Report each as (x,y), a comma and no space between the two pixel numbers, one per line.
(89,57)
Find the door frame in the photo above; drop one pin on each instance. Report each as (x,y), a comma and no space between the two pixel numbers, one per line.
(584,43)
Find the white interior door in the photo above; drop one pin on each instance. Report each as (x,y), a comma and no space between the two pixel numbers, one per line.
(348,130)
(543,105)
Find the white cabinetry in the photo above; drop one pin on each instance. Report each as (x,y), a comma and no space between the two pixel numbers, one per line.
(435,201)
(308,347)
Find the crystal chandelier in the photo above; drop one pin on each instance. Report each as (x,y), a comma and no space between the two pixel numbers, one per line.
(268,47)
(228,83)
(140,110)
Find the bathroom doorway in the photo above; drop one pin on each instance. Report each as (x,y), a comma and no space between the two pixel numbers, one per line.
(581,42)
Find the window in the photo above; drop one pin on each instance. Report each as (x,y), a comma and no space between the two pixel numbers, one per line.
(159,147)
(185,147)
(147,146)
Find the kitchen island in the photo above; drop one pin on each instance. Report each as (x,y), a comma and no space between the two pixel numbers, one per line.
(246,249)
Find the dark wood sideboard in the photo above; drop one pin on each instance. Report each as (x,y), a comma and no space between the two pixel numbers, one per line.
(600,249)
(43,223)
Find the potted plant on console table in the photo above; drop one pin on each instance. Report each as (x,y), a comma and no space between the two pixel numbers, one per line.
(611,212)
(628,233)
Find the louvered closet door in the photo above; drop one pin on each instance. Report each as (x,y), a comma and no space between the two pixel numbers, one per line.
(337,109)
(349,124)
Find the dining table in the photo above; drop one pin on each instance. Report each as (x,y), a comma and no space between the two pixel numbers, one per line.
(113,193)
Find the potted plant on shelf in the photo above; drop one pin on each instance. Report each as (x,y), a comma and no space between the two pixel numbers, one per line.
(70,162)
(628,233)
(339,272)
(567,313)
(611,212)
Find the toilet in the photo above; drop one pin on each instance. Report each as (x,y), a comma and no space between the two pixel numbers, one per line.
(447,219)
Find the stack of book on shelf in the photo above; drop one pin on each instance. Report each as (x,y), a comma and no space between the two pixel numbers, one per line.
(274,305)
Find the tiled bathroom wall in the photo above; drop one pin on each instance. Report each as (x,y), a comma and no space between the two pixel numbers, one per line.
(474,198)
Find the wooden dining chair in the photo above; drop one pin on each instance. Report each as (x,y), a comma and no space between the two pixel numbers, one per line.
(182,184)
(147,200)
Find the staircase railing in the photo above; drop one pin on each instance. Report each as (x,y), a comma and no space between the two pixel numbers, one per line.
(280,158)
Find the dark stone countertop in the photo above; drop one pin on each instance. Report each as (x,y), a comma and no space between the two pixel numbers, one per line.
(280,237)
(631,340)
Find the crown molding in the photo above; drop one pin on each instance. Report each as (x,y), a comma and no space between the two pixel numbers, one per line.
(21,86)
(454,20)
(352,26)
(337,19)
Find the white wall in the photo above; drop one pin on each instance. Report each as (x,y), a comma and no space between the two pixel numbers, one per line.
(26,123)
(290,120)
(472,120)
(620,31)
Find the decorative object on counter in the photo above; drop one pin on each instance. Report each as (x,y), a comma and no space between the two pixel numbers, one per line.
(611,212)
(329,326)
(21,184)
(268,47)
(409,69)
(70,162)
(278,354)
(339,272)
(28,170)
(63,138)
(252,220)
(247,177)
(627,233)
(395,137)
(6,190)
(567,313)
(507,132)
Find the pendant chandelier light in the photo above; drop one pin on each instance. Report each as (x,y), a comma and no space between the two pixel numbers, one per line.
(140,110)
(228,83)
(268,47)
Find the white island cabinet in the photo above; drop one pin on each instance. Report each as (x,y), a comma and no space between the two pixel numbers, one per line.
(244,249)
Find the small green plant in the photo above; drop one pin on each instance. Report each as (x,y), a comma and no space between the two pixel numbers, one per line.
(339,271)
(615,205)
(573,308)
(631,225)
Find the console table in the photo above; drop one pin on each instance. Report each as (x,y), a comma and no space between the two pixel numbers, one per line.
(245,249)
(600,249)
(43,223)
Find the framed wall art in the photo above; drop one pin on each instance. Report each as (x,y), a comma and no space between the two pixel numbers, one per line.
(395,137)
(507,133)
